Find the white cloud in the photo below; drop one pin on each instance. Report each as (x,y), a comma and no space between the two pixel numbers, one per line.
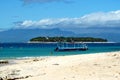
(99,19)
(108,19)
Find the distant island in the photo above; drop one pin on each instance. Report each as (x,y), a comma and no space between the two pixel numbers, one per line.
(67,39)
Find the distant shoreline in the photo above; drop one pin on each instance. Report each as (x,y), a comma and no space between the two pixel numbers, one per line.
(56,42)
(67,42)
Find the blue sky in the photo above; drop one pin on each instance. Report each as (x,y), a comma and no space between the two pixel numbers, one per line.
(46,12)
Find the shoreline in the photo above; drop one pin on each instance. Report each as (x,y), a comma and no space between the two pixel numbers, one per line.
(98,66)
(56,42)
(67,42)
(32,57)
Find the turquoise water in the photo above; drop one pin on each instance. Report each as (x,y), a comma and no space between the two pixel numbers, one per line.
(22,50)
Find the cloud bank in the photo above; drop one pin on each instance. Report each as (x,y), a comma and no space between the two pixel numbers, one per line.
(44,1)
(97,20)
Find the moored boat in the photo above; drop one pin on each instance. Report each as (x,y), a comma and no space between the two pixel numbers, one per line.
(71,47)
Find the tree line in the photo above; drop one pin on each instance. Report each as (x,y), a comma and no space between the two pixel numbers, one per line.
(67,39)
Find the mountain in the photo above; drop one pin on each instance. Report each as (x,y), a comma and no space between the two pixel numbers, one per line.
(111,37)
(112,34)
(24,35)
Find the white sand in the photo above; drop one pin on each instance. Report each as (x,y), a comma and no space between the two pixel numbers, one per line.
(102,66)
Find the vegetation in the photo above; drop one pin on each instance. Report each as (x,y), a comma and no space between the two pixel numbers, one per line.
(67,39)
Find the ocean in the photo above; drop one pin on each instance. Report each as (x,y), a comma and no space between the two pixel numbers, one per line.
(27,50)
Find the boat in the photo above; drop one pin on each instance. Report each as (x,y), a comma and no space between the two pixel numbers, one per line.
(71,47)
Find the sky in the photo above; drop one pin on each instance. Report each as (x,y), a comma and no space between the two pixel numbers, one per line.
(63,14)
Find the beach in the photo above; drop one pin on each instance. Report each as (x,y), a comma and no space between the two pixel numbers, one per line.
(97,66)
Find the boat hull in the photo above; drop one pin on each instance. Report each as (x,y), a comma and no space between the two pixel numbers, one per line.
(71,49)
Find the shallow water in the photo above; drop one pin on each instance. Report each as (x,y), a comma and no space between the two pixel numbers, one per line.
(24,50)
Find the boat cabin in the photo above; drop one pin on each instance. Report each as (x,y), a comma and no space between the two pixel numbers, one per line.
(65,46)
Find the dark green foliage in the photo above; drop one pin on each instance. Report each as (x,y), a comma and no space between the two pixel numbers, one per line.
(68,39)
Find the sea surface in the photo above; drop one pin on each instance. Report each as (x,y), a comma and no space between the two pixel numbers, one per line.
(27,50)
